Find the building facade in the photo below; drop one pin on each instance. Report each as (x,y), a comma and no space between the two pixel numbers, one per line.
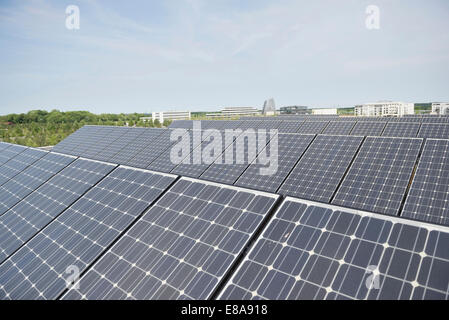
(168,115)
(295,110)
(384,109)
(229,112)
(440,108)
(269,107)
(325,111)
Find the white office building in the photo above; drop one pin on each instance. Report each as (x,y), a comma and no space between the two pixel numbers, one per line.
(440,108)
(229,112)
(168,115)
(324,111)
(384,109)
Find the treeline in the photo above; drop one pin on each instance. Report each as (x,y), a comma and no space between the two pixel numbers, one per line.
(39,128)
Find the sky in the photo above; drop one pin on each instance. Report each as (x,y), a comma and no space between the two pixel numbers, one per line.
(201,55)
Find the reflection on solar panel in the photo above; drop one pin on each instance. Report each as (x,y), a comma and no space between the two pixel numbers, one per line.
(289,126)
(368,128)
(379,175)
(428,197)
(47,202)
(4,145)
(69,145)
(290,149)
(77,236)
(181,124)
(10,152)
(18,163)
(225,172)
(312,251)
(31,178)
(137,147)
(181,247)
(312,127)
(401,129)
(108,136)
(339,127)
(320,170)
(434,130)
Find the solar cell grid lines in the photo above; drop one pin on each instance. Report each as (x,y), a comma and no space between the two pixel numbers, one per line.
(181,124)
(181,248)
(29,216)
(428,197)
(434,130)
(290,149)
(107,137)
(368,128)
(315,251)
(10,152)
(379,176)
(18,163)
(339,127)
(289,126)
(313,127)
(4,145)
(80,234)
(401,129)
(317,175)
(69,144)
(31,178)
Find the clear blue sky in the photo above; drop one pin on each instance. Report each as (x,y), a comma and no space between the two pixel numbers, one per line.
(143,56)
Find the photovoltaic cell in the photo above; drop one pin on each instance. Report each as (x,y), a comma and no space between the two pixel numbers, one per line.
(29,216)
(379,176)
(368,128)
(313,251)
(289,126)
(181,124)
(10,152)
(69,144)
(313,127)
(401,129)
(31,178)
(428,197)
(290,149)
(339,127)
(181,248)
(434,130)
(18,163)
(107,137)
(80,234)
(319,172)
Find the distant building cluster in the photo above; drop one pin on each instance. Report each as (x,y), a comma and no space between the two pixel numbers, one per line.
(229,112)
(168,115)
(295,110)
(384,109)
(269,107)
(440,108)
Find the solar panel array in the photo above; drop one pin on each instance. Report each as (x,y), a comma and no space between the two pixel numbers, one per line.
(339,127)
(77,236)
(320,170)
(428,197)
(379,176)
(181,248)
(401,129)
(313,127)
(368,128)
(19,162)
(434,130)
(312,251)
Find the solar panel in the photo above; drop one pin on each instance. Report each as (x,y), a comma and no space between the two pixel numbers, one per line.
(31,178)
(339,127)
(368,128)
(181,124)
(320,170)
(80,234)
(313,251)
(136,147)
(33,213)
(224,171)
(313,127)
(69,144)
(269,124)
(428,197)
(18,163)
(107,135)
(289,126)
(4,145)
(434,130)
(379,176)
(290,149)
(211,124)
(181,248)
(10,152)
(401,129)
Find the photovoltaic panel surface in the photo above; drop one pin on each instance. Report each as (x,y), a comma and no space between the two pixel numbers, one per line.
(290,148)
(314,251)
(289,126)
(368,128)
(313,127)
(107,137)
(181,248)
(4,145)
(18,163)
(401,129)
(428,197)
(80,234)
(319,172)
(10,152)
(183,124)
(339,127)
(29,216)
(31,178)
(379,176)
(434,130)
(69,145)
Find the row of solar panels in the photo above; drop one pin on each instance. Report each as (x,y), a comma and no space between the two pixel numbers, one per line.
(138,234)
(395,176)
(417,118)
(359,128)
